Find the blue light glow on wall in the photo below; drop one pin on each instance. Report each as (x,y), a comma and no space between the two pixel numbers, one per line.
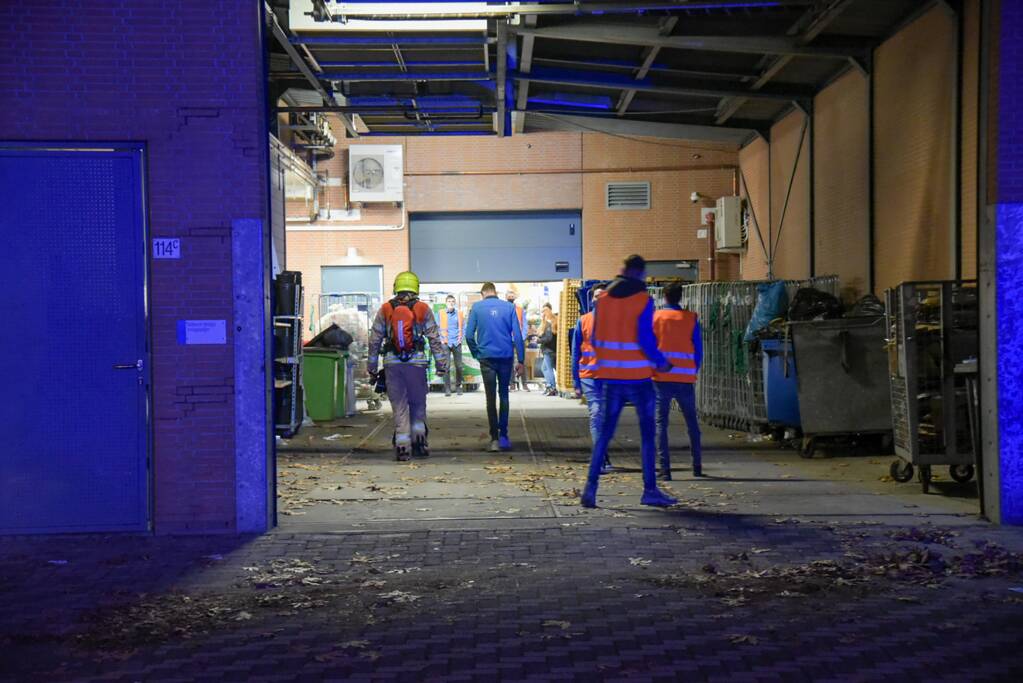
(1009,264)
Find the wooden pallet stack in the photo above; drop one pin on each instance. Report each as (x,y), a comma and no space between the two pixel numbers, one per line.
(568,316)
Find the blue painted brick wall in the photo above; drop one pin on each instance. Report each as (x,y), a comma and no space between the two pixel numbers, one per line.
(184,77)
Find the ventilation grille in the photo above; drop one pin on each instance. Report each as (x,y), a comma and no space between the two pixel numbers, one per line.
(628,196)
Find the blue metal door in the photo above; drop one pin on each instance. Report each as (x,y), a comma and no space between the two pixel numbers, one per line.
(534,246)
(76,436)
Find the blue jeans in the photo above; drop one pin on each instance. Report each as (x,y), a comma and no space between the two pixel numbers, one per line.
(593,392)
(640,394)
(548,369)
(496,374)
(685,395)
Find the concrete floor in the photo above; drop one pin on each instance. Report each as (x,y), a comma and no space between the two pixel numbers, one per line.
(343,477)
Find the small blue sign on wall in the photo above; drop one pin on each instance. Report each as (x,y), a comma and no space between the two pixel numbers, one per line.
(202,332)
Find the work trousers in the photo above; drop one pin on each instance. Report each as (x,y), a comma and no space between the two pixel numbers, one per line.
(406,389)
(592,392)
(616,395)
(685,395)
(454,363)
(496,374)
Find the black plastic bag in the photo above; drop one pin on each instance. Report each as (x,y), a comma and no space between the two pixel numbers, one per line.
(332,337)
(813,304)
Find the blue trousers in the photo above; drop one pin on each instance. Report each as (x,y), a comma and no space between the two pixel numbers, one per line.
(685,395)
(496,374)
(548,369)
(593,392)
(616,394)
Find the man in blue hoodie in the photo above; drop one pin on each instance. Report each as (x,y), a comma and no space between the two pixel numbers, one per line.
(494,338)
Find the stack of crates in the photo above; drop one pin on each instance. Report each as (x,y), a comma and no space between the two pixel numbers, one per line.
(568,316)
(730,391)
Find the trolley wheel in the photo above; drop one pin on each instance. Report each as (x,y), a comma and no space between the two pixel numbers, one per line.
(374,404)
(961,473)
(925,478)
(901,471)
(808,446)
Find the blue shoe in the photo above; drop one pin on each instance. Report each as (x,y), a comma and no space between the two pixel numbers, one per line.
(589,497)
(657,498)
(504,443)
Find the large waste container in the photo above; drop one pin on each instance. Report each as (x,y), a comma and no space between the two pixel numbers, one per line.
(324,373)
(780,393)
(843,377)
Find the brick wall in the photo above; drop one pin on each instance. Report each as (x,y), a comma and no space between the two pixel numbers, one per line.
(537,171)
(754,160)
(913,124)
(185,78)
(791,234)
(971,59)
(841,183)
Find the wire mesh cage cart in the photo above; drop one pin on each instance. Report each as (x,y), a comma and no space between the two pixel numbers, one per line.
(353,312)
(932,326)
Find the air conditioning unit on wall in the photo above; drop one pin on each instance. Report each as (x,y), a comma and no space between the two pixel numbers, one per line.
(375,173)
(728,225)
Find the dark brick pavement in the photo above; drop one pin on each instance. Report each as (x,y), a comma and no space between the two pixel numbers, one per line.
(726,587)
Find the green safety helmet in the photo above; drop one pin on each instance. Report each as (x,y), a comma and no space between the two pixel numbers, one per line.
(406,282)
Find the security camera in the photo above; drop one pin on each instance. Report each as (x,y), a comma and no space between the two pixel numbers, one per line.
(694,197)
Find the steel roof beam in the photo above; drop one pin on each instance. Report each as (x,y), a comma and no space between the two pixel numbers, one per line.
(626,34)
(525,66)
(667,26)
(816,23)
(502,74)
(608,82)
(285,40)
(424,11)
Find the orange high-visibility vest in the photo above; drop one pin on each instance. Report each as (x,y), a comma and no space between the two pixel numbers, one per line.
(587,354)
(444,327)
(674,330)
(615,338)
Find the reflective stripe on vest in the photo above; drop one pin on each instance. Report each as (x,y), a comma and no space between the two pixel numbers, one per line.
(615,337)
(587,354)
(674,330)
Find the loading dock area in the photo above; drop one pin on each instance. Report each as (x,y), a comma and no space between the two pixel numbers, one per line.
(205,206)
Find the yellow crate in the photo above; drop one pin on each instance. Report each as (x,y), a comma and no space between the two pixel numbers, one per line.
(568,316)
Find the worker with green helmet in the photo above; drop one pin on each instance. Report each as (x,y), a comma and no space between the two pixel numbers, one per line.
(401,330)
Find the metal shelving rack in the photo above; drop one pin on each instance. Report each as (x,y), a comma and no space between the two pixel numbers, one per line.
(288,368)
(932,326)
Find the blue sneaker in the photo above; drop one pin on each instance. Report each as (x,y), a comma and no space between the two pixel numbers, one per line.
(504,443)
(657,498)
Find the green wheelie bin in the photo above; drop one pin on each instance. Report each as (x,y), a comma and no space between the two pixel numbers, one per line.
(324,373)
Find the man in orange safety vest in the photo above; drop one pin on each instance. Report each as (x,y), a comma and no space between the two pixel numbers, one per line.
(678,338)
(627,355)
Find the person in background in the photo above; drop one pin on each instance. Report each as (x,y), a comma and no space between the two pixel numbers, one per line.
(452,329)
(627,354)
(678,338)
(584,371)
(401,330)
(519,380)
(494,337)
(549,348)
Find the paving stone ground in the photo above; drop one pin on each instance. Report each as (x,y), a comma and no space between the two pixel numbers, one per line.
(470,566)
